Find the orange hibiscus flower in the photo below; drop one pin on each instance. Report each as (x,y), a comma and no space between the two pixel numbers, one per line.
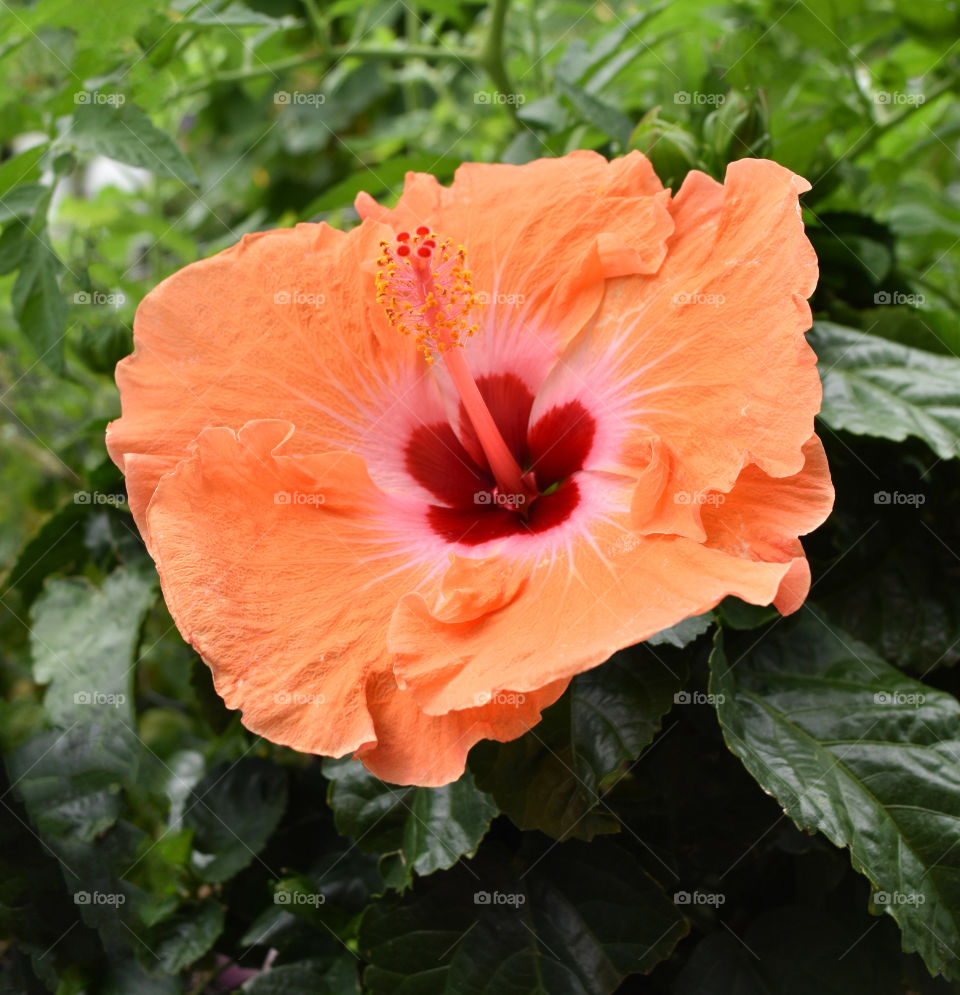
(600,424)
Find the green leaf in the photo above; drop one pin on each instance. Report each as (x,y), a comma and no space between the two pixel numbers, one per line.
(82,642)
(683,633)
(186,936)
(314,976)
(853,748)
(792,952)
(606,118)
(21,201)
(38,303)
(872,386)
(22,168)
(71,780)
(577,922)
(416,830)
(126,134)
(552,778)
(233,811)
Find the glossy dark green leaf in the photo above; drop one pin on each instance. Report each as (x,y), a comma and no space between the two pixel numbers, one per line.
(232,812)
(551,778)
(71,780)
(576,922)
(872,386)
(416,830)
(185,937)
(126,134)
(791,952)
(851,747)
(314,976)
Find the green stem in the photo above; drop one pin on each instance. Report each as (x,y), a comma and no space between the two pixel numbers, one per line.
(336,52)
(873,136)
(491,57)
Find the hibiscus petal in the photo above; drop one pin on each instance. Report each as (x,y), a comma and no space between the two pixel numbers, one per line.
(762,516)
(569,613)
(415,748)
(541,238)
(258,557)
(271,567)
(709,354)
(281,325)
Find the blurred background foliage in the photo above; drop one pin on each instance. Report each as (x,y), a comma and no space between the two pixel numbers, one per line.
(137,138)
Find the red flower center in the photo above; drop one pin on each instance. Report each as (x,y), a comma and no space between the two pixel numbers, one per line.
(500,475)
(473,508)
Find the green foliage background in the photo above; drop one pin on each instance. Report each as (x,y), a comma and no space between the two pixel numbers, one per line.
(742,805)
